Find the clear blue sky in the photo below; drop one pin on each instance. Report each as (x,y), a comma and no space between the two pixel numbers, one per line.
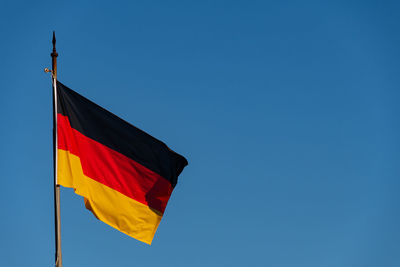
(288,112)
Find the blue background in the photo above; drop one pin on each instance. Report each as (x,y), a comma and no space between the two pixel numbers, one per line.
(288,112)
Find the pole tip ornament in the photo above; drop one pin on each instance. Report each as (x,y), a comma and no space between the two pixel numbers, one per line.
(54,54)
(54,38)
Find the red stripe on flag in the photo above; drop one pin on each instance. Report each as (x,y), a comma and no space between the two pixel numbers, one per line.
(113,169)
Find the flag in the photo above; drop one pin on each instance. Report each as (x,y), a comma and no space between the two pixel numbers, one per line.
(125,175)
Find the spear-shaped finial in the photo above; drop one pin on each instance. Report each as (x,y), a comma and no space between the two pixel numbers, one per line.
(54,56)
(54,45)
(54,40)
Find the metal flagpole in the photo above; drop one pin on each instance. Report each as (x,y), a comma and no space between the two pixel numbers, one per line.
(58,256)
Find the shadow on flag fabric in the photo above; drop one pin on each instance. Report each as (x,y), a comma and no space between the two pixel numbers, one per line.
(125,175)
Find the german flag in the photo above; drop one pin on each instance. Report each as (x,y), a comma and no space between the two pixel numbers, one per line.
(125,175)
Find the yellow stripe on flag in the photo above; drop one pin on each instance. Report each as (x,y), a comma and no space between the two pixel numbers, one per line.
(108,205)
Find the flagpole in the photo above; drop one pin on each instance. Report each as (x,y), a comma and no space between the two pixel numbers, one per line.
(58,255)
